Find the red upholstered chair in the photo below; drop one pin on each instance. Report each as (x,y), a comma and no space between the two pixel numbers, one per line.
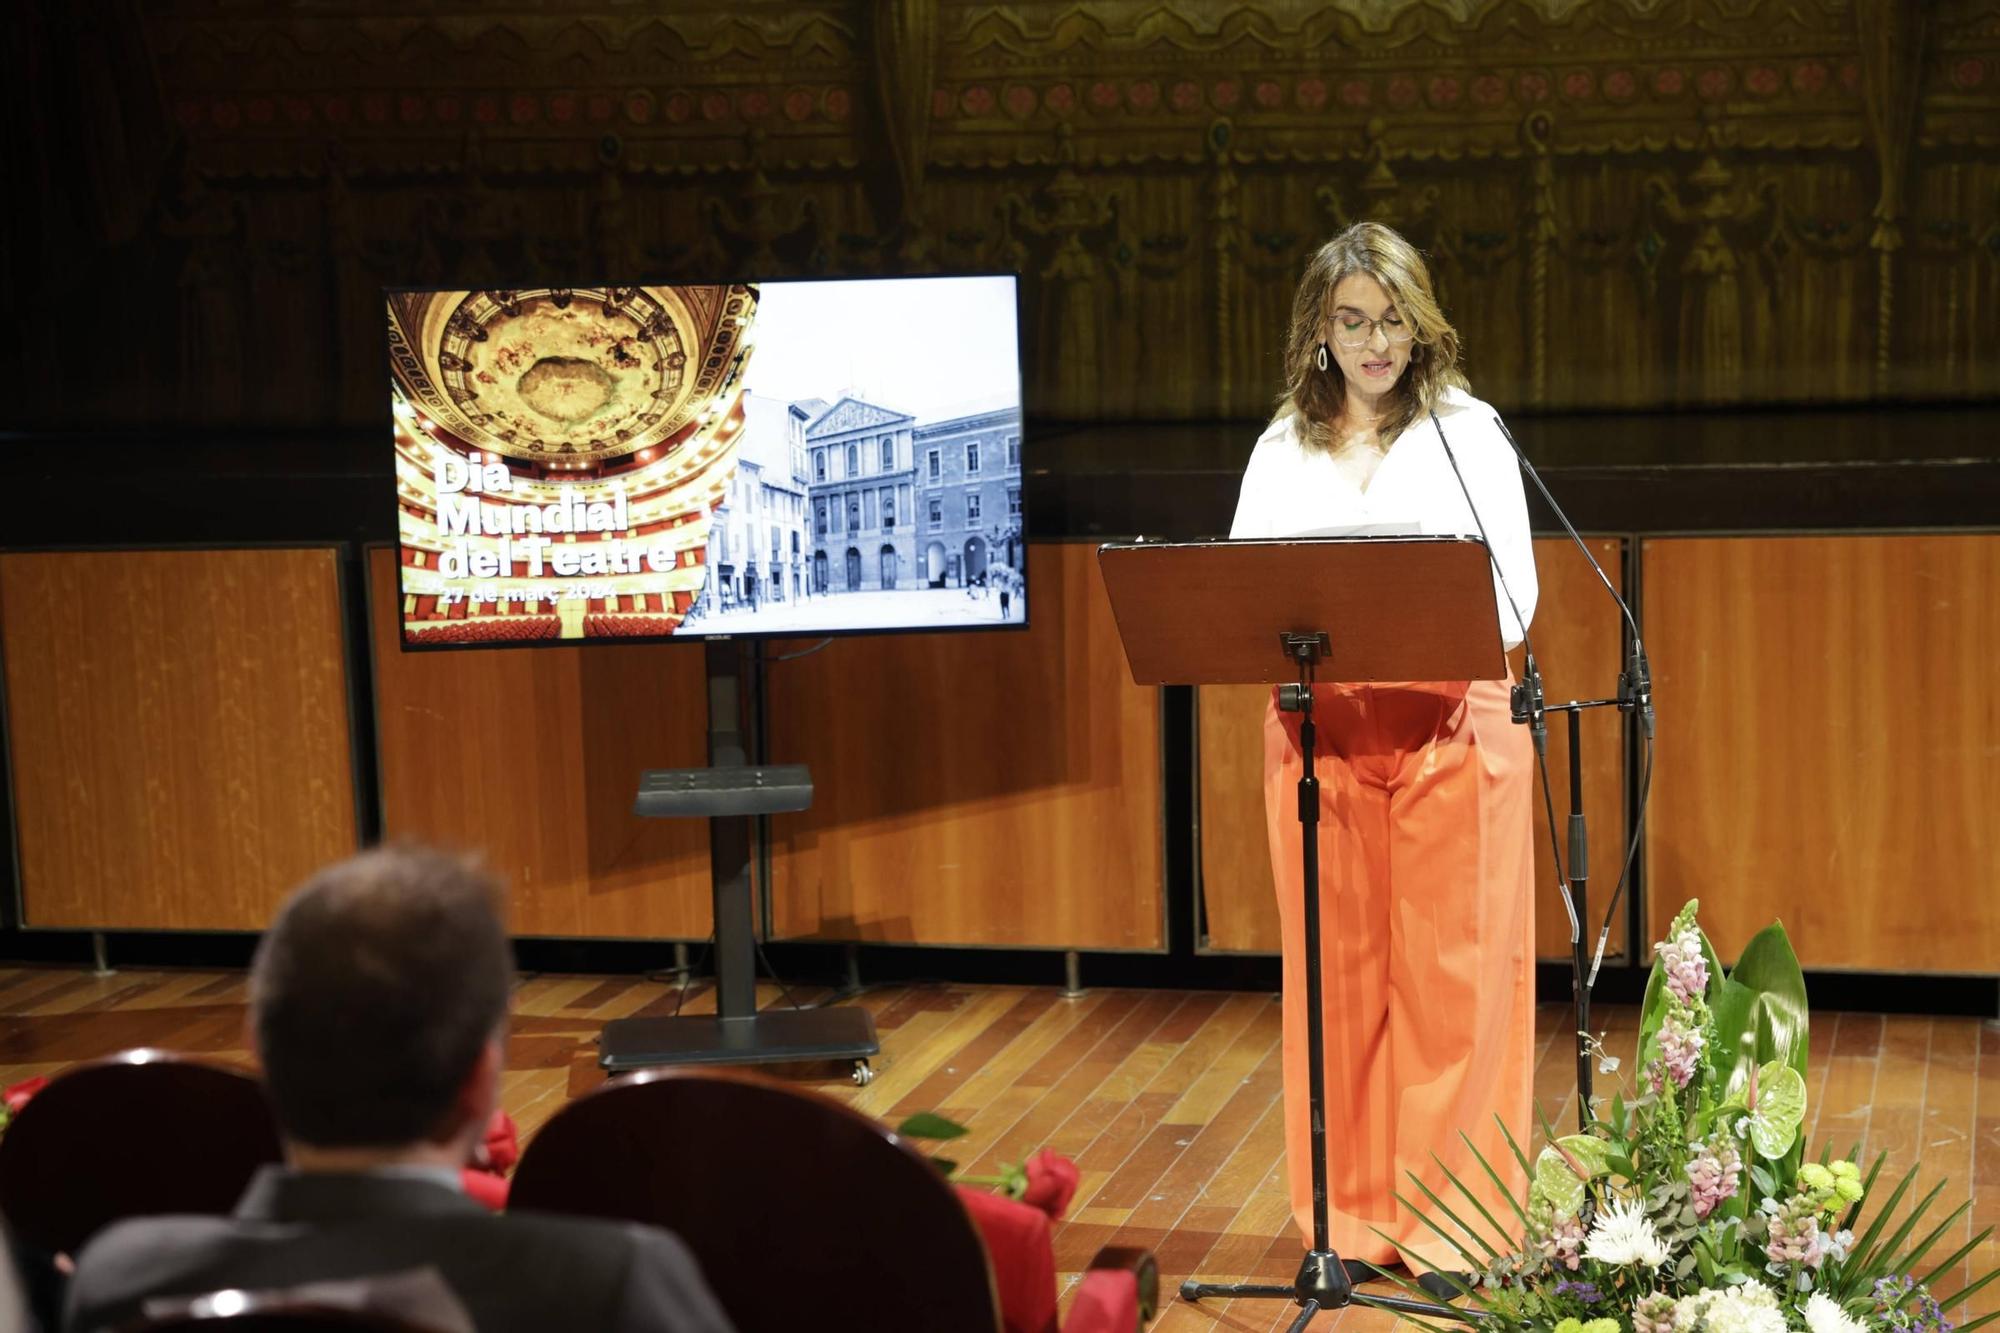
(135,1133)
(804,1213)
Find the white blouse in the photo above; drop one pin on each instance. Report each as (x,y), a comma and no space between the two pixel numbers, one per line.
(1289,489)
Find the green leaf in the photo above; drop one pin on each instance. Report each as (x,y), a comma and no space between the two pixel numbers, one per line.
(1759,1019)
(1456,1220)
(1494,1176)
(1471,1261)
(1956,1257)
(1867,1186)
(930,1125)
(1966,1293)
(1896,1238)
(1512,1145)
(1478,1296)
(944,1165)
(1862,1252)
(1473,1199)
(1907,1263)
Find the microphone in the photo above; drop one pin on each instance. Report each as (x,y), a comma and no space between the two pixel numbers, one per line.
(1529,704)
(1526,700)
(1635,682)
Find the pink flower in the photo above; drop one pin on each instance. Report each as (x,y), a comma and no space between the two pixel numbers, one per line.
(1680,1049)
(1051,1182)
(1685,965)
(1654,1314)
(1714,1173)
(1795,1240)
(1564,1245)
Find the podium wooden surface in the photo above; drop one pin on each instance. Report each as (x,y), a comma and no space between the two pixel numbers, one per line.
(1394,608)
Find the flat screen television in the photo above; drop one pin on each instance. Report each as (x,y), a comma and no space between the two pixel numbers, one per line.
(653,462)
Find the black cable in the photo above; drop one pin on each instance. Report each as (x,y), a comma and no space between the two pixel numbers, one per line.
(783,989)
(1631,854)
(687,977)
(841,996)
(1539,728)
(803,652)
(1637,680)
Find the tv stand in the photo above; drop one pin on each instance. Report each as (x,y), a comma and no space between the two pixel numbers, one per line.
(729,793)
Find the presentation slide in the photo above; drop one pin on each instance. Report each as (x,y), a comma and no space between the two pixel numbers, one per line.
(779,458)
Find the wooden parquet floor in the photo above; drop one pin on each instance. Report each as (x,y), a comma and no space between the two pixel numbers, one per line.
(1168,1101)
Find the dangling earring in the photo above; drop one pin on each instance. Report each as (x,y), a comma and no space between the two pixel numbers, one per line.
(1321,358)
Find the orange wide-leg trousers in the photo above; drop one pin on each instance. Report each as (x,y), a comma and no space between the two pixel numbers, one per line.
(1426,948)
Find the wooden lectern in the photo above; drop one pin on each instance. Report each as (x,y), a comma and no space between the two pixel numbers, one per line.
(1288,612)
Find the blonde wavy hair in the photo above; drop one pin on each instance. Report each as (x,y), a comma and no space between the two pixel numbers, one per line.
(1318,396)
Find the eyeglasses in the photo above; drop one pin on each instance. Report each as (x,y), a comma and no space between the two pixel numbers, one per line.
(1352,329)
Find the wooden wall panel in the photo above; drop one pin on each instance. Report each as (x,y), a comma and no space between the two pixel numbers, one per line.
(1577,642)
(179,733)
(1829,744)
(532,756)
(977,789)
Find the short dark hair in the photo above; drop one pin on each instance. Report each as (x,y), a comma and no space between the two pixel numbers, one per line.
(373,994)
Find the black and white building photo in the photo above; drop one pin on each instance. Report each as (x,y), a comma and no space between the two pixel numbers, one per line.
(879,476)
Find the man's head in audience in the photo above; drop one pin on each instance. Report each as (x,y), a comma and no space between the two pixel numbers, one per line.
(378,1002)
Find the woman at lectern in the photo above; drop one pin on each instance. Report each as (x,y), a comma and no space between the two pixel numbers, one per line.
(1425,843)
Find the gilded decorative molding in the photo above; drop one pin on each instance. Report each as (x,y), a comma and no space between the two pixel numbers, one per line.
(1892,55)
(1627,202)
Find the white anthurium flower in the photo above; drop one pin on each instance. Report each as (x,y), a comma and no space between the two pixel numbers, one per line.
(1623,1235)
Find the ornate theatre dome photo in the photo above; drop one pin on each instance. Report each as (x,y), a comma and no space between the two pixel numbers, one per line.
(616,396)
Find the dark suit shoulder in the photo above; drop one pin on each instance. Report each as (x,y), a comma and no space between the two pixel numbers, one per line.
(131,1260)
(520,1271)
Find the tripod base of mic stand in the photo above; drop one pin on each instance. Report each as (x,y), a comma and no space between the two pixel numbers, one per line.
(1322,1284)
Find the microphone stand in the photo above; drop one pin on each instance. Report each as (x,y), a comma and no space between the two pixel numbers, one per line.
(1635,695)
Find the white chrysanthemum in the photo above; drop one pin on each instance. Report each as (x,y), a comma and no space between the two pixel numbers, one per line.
(1824,1315)
(1750,1308)
(1624,1235)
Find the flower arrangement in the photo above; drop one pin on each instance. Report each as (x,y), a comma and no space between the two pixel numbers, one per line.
(1689,1206)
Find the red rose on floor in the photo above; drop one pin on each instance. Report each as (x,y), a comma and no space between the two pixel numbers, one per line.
(1051,1182)
(17,1096)
(501,1147)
